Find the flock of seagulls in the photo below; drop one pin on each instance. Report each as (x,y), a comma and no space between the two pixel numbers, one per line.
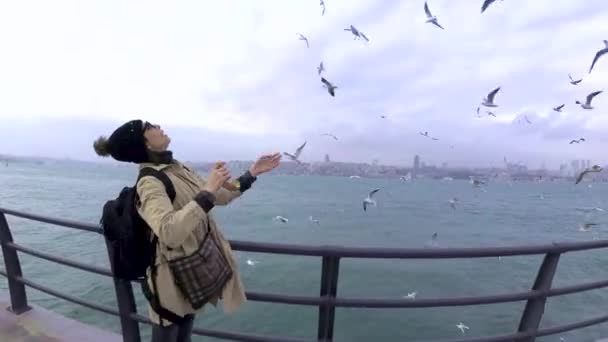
(489,101)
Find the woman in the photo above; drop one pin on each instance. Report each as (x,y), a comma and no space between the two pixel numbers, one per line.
(182,225)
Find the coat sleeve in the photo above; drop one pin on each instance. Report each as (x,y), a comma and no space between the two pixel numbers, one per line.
(171,226)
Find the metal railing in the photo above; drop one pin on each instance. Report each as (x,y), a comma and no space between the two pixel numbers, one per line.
(327,301)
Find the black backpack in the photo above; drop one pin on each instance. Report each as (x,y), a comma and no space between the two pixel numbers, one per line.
(133,242)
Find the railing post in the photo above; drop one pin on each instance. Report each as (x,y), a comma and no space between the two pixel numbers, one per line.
(126,305)
(13,269)
(329,289)
(535,307)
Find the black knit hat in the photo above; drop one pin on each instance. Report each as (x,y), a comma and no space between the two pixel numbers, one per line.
(127,143)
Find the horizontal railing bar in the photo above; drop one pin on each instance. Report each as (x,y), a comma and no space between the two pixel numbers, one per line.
(363,252)
(497,338)
(256,338)
(367,302)
(560,291)
(434,302)
(464,301)
(54,221)
(60,260)
(47,290)
(414,253)
(226,335)
(284,299)
(572,326)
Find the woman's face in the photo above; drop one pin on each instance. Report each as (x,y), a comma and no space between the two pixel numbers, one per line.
(156,139)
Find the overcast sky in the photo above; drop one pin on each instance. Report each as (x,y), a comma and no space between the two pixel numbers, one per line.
(230,79)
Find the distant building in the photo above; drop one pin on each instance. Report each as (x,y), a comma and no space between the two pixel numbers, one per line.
(327,160)
(416,165)
(444,165)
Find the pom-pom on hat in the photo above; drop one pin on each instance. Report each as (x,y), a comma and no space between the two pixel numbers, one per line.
(127,143)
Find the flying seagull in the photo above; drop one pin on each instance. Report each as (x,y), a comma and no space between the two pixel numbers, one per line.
(486,4)
(559,108)
(330,135)
(369,200)
(431,18)
(573,81)
(320,68)
(453,202)
(425,134)
(460,325)
(585,227)
(491,113)
(251,262)
(478,113)
(411,295)
(476,182)
(587,104)
(295,157)
(489,101)
(323,7)
(599,54)
(330,87)
(356,33)
(577,141)
(304,39)
(311,219)
(594,168)
(526,118)
(281,218)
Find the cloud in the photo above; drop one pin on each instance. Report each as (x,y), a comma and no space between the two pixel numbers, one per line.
(231,79)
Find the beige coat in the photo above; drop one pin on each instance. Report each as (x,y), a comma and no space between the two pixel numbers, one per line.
(180,228)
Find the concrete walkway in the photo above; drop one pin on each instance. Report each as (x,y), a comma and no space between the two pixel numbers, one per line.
(41,325)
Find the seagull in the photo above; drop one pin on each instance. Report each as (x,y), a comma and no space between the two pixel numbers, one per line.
(587,104)
(411,295)
(489,101)
(460,325)
(478,113)
(251,262)
(320,68)
(356,33)
(433,138)
(491,113)
(296,155)
(585,227)
(304,39)
(330,135)
(526,118)
(425,134)
(431,18)
(330,87)
(476,182)
(432,242)
(453,202)
(369,200)
(322,6)
(383,116)
(311,219)
(577,141)
(559,108)
(574,82)
(594,168)
(281,218)
(484,6)
(599,54)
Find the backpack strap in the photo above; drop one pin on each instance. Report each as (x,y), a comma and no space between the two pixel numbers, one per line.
(148,171)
